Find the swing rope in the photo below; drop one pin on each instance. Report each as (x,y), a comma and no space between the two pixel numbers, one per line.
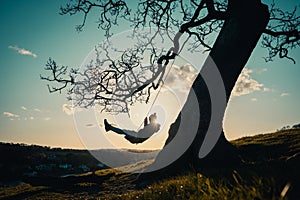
(163,81)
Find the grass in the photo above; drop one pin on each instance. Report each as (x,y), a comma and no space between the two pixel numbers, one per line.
(278,146)
(270,164)
(286,138)
(197,186)
(20,189)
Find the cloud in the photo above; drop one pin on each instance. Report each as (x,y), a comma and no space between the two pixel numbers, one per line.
(245,84)
(32,118)
(11,115)
(259,71)
(37,110)
(284,94)
(181,78)
(253,99)
(22,51)
(68,109)
(47,118)
(23,108)
(90,125)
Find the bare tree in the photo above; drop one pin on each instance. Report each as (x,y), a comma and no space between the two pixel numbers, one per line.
(112,83)
(234,27)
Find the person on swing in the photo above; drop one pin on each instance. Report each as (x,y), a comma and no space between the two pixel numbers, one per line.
(140,136)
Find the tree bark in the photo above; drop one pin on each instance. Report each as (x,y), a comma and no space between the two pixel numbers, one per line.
(239,35)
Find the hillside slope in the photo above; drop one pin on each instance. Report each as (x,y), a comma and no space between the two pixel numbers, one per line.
(270,170)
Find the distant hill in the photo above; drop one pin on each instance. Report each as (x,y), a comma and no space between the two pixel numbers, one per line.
(18,160)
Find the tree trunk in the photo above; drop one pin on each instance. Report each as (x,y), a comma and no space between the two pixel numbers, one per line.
(232,49)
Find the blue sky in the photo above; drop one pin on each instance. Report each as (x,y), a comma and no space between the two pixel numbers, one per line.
(32,31)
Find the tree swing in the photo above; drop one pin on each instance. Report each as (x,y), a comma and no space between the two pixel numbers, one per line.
(140,136)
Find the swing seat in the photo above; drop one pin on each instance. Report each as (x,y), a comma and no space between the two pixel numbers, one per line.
(135,140)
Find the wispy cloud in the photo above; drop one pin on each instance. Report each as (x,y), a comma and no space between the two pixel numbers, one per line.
(245,84)
(47,118)
(11,115)
(37,110)
(260,71)
(23,108)
(253,99)
(68,109)
(22,51)
(90,125)
(284,94)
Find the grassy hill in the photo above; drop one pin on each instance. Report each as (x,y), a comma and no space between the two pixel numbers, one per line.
(270,170)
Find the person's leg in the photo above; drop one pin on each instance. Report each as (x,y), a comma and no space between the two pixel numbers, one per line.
(109,127)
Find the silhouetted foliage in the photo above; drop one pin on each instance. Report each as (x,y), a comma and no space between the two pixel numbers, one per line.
(105,83)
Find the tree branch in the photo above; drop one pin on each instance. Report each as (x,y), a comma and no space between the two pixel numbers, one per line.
(282,33)
(58,76)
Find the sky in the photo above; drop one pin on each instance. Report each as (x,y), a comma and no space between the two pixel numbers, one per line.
(32,32)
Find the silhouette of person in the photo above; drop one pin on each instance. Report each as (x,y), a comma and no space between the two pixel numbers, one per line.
(133,136)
